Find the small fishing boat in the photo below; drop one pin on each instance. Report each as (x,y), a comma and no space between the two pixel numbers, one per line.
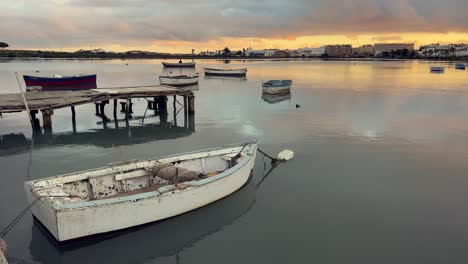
(276,98)
(59,83)
(460,66)
(129,194)
(178,64)
(276,86)
(437,69)
(178,80)
(226,72)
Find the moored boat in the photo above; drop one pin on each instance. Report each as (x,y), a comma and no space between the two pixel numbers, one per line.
(129,194)
(178,64)
(226,72)
(179,80)
(276,86)
(437,69)
(60,83)
(460,66)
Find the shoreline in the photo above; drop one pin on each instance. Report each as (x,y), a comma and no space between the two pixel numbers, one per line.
(57,55)
(461,59)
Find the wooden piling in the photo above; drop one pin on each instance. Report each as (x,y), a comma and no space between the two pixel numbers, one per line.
(123,106)
(174,106)
(47,119)
(162,106)
(96,105)
(73,118)
(101,109)
(191,121)
(127,109)
(185,112)
(191,104)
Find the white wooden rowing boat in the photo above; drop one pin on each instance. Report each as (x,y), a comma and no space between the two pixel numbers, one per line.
(178,64)
(226,72)
(129,194)
(180,80)
(276,86)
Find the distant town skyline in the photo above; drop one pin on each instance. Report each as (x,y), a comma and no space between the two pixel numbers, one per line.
(179,26)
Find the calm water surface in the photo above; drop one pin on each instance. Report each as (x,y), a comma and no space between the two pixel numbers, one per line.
(380,173)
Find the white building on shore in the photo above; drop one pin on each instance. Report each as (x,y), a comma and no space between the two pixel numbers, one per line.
(249,52)
(311,52)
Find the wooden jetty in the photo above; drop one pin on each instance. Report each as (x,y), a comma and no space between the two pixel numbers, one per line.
(47,102)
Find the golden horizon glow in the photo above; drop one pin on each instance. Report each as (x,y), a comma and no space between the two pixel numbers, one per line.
(290,42)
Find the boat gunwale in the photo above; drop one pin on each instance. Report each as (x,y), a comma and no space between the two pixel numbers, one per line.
(70,206)
(180,77)
(225,70)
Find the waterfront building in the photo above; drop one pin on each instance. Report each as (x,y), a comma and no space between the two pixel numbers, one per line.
(339,50)
(380,48)
(364,50)
(311,52)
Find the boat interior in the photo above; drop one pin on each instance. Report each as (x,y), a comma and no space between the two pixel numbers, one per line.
(137,177)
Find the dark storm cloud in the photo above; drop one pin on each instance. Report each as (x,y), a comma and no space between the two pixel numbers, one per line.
(81,22)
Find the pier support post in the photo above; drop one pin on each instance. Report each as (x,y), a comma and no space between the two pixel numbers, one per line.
(116,122)
(191,121)
(185,111)
(123,106)
(47,119)
(102,105)
(35,121)
(174,106)
(130,106)
(162,107)
(155,104)
(73,118)
(127,109)
(191,104)
(97,108)
(115,108)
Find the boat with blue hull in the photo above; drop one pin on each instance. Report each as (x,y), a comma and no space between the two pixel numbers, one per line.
(460,66)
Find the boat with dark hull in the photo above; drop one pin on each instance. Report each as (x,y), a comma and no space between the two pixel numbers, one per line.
(61,83)
(178,64)
(460,66)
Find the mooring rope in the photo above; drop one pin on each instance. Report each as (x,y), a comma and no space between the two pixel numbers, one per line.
(23,213)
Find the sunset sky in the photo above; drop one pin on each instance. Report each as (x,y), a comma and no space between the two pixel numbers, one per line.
(180,25)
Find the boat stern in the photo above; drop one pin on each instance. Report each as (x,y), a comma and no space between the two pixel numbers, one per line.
(43,210)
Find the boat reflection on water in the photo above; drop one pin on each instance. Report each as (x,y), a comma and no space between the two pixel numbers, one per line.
(225,78)
(194,87)
(276,98)
(178,71)
(148,242)
(18,143)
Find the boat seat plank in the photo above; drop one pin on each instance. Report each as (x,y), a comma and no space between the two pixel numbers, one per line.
(131,175)
(151,188)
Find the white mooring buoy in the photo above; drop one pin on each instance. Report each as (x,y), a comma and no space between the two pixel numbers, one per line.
(285,155)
